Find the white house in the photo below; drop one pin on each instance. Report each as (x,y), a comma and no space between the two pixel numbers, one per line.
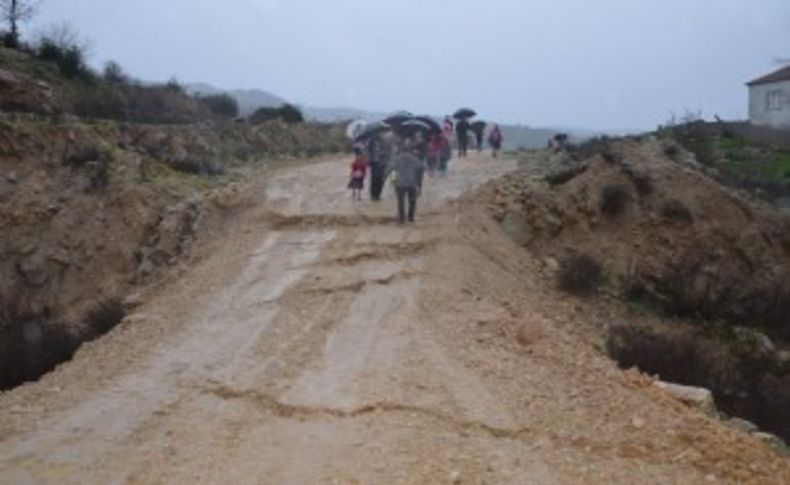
(769,99)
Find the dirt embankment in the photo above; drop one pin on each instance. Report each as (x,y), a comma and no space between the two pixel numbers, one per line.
(90,212)
(701,269)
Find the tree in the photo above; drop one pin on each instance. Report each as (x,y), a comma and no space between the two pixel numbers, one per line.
(287,113)
(15,12)
(61,44)
(113,73)
(221,105)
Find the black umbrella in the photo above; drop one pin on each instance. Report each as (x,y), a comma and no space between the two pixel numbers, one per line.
(409,127)
(398,117)
(478,126)
(435,126)
(371,130)
(464,113)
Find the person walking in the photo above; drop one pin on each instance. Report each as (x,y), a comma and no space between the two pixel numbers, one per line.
(495,139)
(447,127)
(445,156)
(420,150)
(378,166)
(435,153)
(462,133)
(479,132)
(406,168)
(358,170)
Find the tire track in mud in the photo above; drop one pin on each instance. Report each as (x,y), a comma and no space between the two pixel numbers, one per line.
(268,403)
(358,286)
(282,222)
(379,252)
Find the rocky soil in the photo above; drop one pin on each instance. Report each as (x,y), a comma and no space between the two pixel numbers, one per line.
(90,212)
(694,273)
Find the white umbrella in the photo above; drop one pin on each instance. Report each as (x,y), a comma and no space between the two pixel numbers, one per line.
(355,128)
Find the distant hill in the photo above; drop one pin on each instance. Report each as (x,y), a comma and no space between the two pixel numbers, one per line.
(249,99)
(516,136)
(328,115)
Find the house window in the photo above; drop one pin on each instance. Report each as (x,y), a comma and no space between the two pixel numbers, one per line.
(774,100)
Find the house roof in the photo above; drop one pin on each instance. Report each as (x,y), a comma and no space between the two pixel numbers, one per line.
(782,74)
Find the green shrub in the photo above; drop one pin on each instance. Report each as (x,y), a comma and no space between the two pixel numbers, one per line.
(221,105)
(113,73)
(579,274)
(70,59)
(287,113)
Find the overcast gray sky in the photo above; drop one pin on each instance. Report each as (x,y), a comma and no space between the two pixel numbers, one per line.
(586,63)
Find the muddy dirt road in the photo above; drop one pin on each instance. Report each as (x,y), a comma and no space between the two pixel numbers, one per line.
(317,342)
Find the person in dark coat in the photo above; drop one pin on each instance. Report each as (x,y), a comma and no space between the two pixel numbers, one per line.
(478,131)
(462,133)
(495,139)
(378,166)
(406,169)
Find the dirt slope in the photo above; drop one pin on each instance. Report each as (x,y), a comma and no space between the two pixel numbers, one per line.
(319,343)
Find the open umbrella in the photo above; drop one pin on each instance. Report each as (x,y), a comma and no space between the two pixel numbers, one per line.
(409,127)
(478,126)
(355,128)
(398,117)
(464,113)
(372,129)
(434,125)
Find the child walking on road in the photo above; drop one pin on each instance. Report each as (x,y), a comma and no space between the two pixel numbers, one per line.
(358,171)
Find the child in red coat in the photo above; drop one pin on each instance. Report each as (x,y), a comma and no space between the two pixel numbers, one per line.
(358,171)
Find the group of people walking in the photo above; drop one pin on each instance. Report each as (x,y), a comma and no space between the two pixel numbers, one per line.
(475,131)
(403,148)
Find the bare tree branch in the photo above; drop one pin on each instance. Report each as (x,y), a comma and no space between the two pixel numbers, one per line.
(15,12)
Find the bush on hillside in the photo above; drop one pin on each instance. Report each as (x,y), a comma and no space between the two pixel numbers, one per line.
(746,383)
(175,86)
(674,210)
(579,274)
(78,155)
(594,146)
(70,59)
(221,105)
(194,166)
(103,317)
(615,199)
(643,183)
(9,40)
(675,355)
(287,113)
(562,177)
(114,74)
